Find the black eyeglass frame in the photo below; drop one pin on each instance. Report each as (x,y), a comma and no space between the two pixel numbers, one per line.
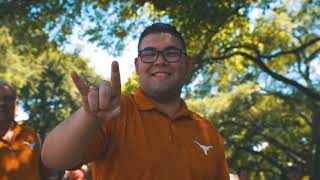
(162,53)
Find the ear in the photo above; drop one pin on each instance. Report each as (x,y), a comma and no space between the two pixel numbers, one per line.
(15,108)
(136,65)
(189,65)
(16,104)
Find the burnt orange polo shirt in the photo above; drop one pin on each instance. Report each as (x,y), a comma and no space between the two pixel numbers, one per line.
(147,144)
(20,158)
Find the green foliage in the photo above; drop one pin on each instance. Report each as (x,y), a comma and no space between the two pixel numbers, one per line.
(43,81)
(131,85)
(29,20)
(260,68)
(261,131)
(275,50)
(110,22)
(11,65)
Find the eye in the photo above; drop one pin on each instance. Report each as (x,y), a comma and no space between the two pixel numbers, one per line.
(172,53)
(148,53)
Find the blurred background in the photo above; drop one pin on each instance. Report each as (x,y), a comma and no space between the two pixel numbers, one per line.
(256,68)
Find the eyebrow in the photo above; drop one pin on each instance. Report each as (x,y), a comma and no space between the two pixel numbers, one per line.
(166,48)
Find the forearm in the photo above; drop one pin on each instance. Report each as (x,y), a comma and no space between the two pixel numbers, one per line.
(64,146)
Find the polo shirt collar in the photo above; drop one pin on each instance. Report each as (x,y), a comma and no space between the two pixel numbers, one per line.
(144,103)
(15,130)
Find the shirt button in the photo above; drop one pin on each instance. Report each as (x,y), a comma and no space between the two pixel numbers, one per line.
(172,127)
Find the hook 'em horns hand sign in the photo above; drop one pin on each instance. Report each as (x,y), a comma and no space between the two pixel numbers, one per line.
(103,100)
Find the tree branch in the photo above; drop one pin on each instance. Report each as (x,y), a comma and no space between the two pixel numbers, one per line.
(267,158)
(309,92)
(306,119)
(300,48)
(257,132)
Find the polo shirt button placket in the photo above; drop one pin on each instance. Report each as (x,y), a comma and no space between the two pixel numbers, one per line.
(172,129)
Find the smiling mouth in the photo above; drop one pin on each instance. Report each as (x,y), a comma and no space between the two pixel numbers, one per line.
(161,74)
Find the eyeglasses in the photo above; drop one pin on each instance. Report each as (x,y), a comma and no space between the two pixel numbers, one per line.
(170,55)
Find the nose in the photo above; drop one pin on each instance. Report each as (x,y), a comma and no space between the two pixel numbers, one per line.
(160,59)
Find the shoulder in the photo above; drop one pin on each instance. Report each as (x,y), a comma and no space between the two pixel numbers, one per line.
(204,122)
(207,125)
(26,129)
(128,102)
(126,98)
(25,133)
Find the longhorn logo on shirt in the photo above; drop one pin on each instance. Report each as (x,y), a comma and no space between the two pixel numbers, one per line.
(31,145)
(204,148)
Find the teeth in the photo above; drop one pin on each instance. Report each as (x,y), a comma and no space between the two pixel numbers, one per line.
(161,73)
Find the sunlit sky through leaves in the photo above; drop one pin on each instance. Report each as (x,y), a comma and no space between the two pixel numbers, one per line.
(100,60)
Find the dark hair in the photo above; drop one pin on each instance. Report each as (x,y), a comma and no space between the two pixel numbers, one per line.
(242,168)
(12,88)
(162,28)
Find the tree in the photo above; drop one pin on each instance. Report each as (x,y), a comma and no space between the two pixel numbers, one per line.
(43,81)
(131,85)
(263,132)
(229,48)
(112,21)
(279,52)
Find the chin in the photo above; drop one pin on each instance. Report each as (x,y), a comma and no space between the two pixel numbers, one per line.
(160,88)
(166,91)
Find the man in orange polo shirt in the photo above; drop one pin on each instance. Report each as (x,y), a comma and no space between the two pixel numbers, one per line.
(19,145)
(149,135)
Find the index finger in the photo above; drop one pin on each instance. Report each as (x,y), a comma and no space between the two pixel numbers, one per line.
(115,78)
(81,86)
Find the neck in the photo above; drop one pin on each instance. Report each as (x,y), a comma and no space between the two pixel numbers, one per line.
(169,106)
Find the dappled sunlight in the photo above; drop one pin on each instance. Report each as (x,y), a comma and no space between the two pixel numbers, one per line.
(255,72)
(14,160)
(10,163)
(25,156)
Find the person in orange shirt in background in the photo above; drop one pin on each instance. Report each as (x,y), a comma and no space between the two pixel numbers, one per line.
(147,135)
(19,145)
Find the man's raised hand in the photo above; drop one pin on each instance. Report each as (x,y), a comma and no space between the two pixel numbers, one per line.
(102,101)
